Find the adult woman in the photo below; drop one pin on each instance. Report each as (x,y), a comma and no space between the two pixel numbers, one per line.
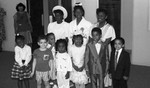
(22,24)
(79,25)
(59,27)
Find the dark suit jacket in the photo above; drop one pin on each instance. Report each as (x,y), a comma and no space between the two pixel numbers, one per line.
(123,65)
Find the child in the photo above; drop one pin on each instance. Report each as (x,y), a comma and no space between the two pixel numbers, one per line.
(119,64)
(21,68)
(51,46)
(95,59)
(63,64)
(42,61)
(77,51)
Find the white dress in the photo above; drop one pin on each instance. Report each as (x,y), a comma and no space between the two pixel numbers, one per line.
(77,54)
(60,30)
(82,28)
(63,64)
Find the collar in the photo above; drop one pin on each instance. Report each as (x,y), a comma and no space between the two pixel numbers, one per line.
(119,51)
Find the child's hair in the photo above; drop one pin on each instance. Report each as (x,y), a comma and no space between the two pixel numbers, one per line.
(98,10)
(96,29)
(19,37)
(76,36)
(79,7)
(61,41)
(42,37)
(49,34)
(20,5)
(120,39)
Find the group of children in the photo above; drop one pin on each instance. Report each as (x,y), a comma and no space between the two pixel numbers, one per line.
(77,63)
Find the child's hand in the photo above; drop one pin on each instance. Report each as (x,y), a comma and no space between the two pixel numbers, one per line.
(67,75)
(125,77)
(81,69)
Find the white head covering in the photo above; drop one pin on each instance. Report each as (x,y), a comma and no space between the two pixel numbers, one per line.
(62,9)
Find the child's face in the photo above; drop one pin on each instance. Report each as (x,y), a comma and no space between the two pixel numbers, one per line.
(101,17)
(96,36)
(20,43)
(61,48)
(118,44)
(51,39)
(78,41)
(43,43)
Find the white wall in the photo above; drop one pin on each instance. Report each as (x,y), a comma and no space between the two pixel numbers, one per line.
(127,22)
(141,34)
(9,6)
(90,7)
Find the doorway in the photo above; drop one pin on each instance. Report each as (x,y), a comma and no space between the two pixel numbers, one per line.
(114,13)
(35,9)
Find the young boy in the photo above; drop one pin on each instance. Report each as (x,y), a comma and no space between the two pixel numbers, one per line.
(42,61)
(95,59)
(119,64)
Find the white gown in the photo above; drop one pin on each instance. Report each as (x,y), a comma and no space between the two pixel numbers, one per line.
(77,54)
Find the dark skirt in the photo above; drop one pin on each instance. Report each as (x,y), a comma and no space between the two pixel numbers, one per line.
(20,72)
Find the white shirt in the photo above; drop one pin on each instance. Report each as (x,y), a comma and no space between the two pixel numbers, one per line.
(98,47)
(119,52)
(63,62)
(60,30)
(82,28)
(107,31)
(23,54)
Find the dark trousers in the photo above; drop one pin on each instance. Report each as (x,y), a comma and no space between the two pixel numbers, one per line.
(121,83)
(96,81)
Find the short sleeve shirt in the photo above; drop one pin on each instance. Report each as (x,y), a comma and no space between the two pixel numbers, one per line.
(42,59)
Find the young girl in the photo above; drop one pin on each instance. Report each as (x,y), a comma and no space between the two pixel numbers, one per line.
(63,64)
(77,50)
(21,69)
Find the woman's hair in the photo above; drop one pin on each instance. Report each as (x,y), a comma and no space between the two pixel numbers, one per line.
(96,29)
(76,36)
(98,10)
(79,7)
(120,39)
(19,37)
(58,11)
(42,37)
(61,41)
(20,5)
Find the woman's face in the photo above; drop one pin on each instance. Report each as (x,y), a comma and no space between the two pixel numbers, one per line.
(101,17)
(58,17)
(78,13)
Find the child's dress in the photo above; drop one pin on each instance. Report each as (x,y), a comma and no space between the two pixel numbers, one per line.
(21,68)
(63,65)
(77,54)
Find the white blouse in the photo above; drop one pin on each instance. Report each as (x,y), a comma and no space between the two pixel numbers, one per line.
(63,62)
(23,54)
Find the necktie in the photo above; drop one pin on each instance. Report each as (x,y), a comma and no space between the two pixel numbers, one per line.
(116,55)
